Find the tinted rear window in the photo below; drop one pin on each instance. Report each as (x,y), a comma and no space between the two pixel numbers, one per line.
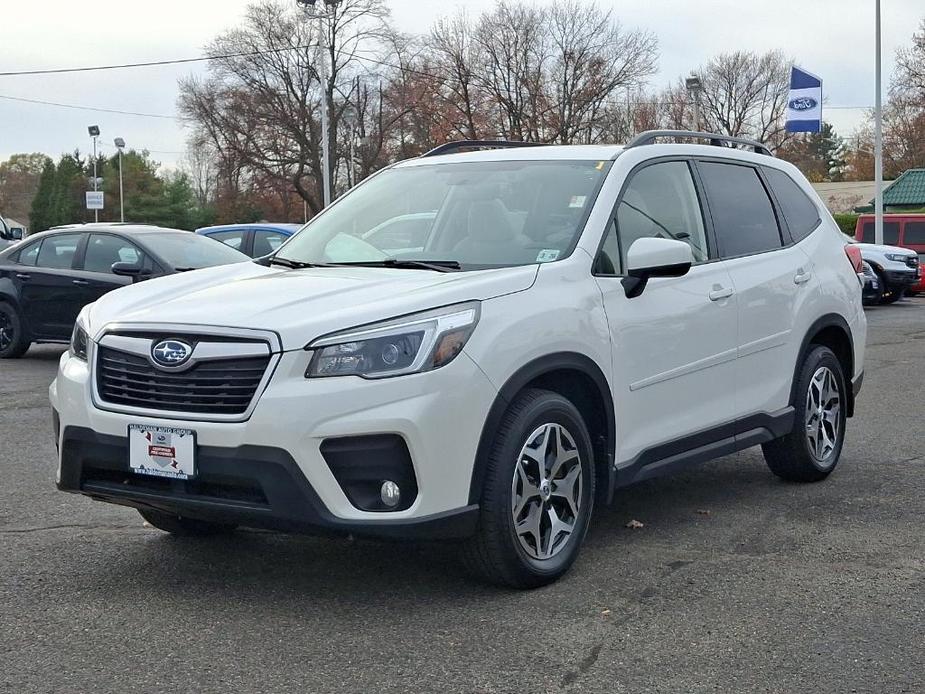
(743,216)
(890,233)
(799,211)
(914,234)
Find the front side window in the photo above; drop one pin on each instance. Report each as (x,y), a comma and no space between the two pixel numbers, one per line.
(58,252)
(743,216)
(799,211)
(103,251)
(661,202)
(890,233)
(480,214)
(266,242)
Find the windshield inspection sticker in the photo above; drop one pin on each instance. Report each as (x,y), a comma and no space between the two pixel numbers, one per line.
(547,255)
(577,201)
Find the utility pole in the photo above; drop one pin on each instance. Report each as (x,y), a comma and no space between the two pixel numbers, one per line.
(878,138)
(309,6)
(120,145)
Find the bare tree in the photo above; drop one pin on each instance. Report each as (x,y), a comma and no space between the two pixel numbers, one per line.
(910,65)
(745,94)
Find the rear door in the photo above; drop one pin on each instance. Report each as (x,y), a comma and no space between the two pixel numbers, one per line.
(772,277)
(50,298)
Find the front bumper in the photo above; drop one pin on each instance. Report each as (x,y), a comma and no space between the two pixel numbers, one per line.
(905,278)
(439,415)
(253,486)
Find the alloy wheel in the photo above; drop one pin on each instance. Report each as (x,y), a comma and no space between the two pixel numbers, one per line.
(823,415)
(546,491)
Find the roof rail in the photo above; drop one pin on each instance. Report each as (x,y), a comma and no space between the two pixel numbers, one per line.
(460,145)
(649,137)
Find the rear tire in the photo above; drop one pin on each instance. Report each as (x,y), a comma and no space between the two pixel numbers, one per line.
(13,339)
(537,496)
(812,449)
(180,525)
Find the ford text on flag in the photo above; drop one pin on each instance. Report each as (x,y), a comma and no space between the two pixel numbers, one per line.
(804,103)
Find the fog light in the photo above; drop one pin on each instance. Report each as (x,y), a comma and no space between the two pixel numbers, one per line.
(390,494)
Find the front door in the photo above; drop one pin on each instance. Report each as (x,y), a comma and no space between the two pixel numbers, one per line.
(674,345)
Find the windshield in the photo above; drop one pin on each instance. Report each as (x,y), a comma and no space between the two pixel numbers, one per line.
(479,214)
(189,251)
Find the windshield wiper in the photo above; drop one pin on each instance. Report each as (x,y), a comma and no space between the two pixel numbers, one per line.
(435,265)
(292,264)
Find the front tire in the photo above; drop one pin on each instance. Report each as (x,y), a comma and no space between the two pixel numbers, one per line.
(888,293)
(181,525)
(13,339)
(537,496)
(812,449)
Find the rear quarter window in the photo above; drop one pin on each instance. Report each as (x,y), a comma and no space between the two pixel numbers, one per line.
(800,212)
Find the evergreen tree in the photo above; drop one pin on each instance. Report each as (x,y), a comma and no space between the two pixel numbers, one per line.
(40,216)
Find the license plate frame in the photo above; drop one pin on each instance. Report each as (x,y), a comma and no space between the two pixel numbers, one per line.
(160,451)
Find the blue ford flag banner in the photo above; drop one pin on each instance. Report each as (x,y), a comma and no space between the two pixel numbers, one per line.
(804,103)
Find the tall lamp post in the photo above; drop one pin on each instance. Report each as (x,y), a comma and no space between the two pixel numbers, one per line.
(94,131)
(310,13)
(694,88)
(120,145)
(878,137)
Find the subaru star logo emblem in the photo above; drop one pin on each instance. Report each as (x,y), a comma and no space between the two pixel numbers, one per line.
(803,103)
(171,352)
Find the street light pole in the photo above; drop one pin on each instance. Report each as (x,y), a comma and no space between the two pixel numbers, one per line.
(694,87)
(120,145)
(878,138)
(94,131)
(325,106)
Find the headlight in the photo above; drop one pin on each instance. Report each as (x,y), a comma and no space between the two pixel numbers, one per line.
(410,344)
(896,257)
(79,342)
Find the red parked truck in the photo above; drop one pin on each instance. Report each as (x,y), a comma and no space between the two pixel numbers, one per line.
(903,230)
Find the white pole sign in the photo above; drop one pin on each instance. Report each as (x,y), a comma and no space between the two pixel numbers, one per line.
(94,200)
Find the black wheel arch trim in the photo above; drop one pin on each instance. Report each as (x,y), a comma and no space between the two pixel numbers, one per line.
(541,366)
(829,320)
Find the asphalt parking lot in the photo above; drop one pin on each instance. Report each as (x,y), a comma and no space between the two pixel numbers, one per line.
(736,581)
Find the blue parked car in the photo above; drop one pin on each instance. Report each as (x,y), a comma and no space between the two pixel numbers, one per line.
(256,240)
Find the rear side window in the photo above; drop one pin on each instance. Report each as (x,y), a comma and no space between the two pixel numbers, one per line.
(58,252)
(914,234)
(235,239)
(799,211)
(890,233)
(28,255)
(743,216)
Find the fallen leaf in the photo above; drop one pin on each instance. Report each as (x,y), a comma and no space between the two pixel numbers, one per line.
(146,524)
(703,512)
(635,525)
(605,612)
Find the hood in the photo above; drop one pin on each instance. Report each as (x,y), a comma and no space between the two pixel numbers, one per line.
(299,305)
(881,248)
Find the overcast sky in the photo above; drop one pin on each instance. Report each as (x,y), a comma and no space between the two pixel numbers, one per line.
(832,38)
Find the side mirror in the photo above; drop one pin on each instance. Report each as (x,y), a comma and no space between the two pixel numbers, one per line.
(654,257)
(16,233)
(133,270)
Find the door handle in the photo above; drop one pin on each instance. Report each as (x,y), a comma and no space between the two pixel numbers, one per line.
(802,276)
(80,283)
(719,293)
(22,276)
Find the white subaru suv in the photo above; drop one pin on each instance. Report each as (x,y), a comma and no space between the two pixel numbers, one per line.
(479,344)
